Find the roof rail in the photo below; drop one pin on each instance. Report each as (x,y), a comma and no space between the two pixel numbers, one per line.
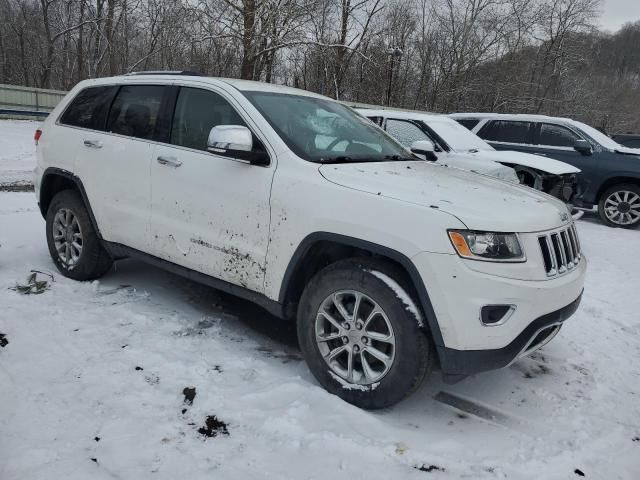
(166,72)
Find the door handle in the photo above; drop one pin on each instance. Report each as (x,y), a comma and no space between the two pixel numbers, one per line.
(92,143)
(170,161)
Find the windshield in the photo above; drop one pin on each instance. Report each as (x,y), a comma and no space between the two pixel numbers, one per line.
(321,130)
(459,138)
(598,136)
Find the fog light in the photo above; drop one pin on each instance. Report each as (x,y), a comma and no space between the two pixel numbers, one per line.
(492,315)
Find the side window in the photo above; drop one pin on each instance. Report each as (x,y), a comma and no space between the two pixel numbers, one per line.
(467,122)
(507,131)
(405,132)
(197,112)
(89,108)
(134,112)
(556,136)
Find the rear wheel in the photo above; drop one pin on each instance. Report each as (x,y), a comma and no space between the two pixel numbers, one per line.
(361,334)
(73,243)
(619,206)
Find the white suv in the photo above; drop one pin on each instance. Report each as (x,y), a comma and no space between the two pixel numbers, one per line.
(388,263)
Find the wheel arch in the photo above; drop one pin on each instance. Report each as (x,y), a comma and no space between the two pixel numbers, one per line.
(55,180)
(320,249)
(616,180)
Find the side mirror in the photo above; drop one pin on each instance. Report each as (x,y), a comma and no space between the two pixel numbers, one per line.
(235,141)
(426,148)
(583,147)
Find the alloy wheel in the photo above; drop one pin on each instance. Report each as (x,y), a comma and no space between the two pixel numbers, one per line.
(67,237)
(355,337)
(622,207)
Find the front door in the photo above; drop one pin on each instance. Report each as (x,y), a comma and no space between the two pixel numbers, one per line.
(557,142)
(210,213)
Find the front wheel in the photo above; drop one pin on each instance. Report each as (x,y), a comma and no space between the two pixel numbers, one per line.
(619,206)
(361,334)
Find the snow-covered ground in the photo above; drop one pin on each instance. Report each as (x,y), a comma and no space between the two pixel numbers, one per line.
(92,379)
(17,152)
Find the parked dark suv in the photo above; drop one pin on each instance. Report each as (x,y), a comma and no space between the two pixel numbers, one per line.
(610,175)
(627,139)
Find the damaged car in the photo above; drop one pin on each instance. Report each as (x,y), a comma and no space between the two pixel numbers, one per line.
(609,181)
(449,143)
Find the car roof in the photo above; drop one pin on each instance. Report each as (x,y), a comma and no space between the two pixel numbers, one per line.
(510,116)
(403,114)
(168,77)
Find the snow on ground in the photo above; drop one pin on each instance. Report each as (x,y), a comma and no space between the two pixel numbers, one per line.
(92,379)
(17,152)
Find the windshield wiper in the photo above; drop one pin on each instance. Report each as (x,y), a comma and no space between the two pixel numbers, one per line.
(402,158)
(338,159)
(347,159)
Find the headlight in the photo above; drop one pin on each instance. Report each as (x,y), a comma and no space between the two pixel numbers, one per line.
(488,246)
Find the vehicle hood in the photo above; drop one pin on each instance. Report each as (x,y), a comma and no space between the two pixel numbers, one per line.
(478,201)
(475,164)
(628,150)
(539,162)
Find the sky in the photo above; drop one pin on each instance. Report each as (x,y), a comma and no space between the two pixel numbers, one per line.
(616,13)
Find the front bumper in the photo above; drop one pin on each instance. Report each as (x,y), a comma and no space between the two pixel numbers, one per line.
(458,289)
(461,363)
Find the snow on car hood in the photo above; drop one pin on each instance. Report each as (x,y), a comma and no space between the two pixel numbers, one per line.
(475,164)
(628,150)
(478,201)
(539,162)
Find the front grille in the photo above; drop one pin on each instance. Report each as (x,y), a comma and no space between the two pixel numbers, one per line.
(560,251)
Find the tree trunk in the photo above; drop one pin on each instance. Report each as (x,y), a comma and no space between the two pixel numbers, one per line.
(248,58)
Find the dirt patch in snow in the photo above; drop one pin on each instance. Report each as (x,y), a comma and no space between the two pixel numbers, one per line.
(3,340)
(429,468)
(189,394)
(213,427)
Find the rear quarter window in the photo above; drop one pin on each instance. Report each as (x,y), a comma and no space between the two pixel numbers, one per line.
(467,122)
(89,108)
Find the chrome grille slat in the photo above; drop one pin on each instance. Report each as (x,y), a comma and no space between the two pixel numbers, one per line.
(560,250)
(567,248)
(575,237)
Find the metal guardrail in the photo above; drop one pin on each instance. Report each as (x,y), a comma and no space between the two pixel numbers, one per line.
(23,113)
(36,101)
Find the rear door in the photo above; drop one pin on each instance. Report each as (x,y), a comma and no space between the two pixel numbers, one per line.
(508,135)
(83,118)
(114,165)
(210,213)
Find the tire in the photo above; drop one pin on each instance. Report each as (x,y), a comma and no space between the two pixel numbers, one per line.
(91,260)
(619,206)
(410,356)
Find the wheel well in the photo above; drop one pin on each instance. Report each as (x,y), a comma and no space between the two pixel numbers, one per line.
(615,181)
(51,185)
(322,253)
